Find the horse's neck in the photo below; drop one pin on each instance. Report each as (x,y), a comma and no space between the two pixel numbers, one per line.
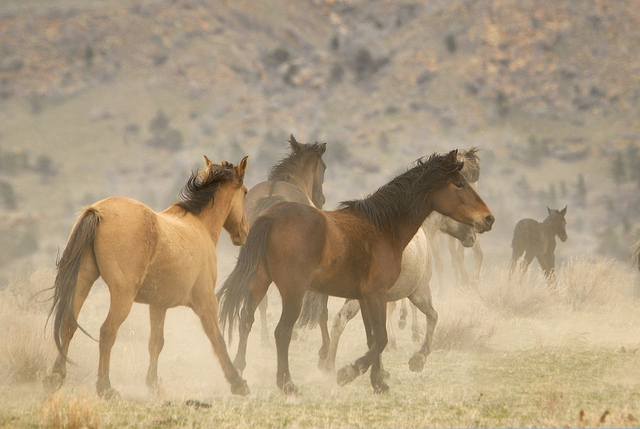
(302,181)
(548,229)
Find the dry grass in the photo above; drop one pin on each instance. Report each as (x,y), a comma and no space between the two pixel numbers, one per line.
(525,294)
(25,351)
(588,283)
(465,332)
(78,411)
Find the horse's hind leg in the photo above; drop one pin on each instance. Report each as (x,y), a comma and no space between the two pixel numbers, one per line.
(415,325)
(205,305)
(87,275)
(121,303)
(292,299)
(264,329)
(323,321)
(346,313)
(258,290)
(156,342)
(422,299)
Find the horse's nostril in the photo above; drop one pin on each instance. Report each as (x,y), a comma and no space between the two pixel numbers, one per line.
(490,219)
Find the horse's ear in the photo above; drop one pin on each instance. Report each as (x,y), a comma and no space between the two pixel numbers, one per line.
(242,168)
(549,210)
(564,211)
(207,161)
(293,143)
(323,148)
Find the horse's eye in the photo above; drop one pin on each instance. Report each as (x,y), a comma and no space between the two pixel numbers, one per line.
(459,185)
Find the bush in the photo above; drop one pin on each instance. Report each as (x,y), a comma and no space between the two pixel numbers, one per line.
(465,332)
(524,294)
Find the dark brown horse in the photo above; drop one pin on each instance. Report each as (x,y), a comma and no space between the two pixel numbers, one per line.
(353,252)
(538,240)
(296,178)
(162,259)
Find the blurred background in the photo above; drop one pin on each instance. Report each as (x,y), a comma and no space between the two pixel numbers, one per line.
(124,97)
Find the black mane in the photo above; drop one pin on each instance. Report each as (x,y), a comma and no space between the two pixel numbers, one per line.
(403,195)
(202,187)
(285,167)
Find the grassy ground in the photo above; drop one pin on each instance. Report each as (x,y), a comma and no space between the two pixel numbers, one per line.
(521,364)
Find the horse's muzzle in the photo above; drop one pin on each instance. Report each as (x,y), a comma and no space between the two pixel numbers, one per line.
(484,225)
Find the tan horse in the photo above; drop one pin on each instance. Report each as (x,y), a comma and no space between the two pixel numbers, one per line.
(162,259)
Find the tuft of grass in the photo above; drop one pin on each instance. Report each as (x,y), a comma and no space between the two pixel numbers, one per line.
(589,282)
(77,411)
(523,294)
(468,332)
(25,350)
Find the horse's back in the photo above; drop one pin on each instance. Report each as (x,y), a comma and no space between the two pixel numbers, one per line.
(528,235)
(265,194)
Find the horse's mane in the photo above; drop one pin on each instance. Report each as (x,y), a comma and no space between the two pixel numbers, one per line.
(471,169)
(288,165)
(203,185)
(403,195)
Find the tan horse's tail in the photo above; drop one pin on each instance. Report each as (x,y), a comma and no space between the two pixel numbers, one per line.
(236,289)
(80,241)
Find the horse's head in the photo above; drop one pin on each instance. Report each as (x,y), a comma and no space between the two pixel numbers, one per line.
(458,200)
(236,223)
(312,168)
(465,233)
(557,223)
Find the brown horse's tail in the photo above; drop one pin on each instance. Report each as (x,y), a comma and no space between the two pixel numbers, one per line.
(312,307)
(80,242)
(236,288)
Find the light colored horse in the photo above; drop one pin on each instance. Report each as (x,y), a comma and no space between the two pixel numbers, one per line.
(296,178)
(413,283)
(165,260)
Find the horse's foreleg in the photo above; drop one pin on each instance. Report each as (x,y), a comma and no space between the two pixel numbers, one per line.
(479,257)
(391,307)
(548,265)
(346,313)
(264,328)
(415,325)
(437,262)
(207,310)
(422,300)
(374,318)
(119,309)
(156,343)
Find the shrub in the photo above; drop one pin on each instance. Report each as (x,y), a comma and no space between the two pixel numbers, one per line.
(588,282)
(79,411)
(524,294)
(466,332)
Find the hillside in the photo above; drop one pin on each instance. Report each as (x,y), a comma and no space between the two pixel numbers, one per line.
(547,89)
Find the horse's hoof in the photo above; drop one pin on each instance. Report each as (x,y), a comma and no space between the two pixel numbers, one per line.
(240,388)
(323,353)
(346,375)
(289,388)
(380,388)
(52,382)
(324,366)
(402,323)
(416,363)
(109,394)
